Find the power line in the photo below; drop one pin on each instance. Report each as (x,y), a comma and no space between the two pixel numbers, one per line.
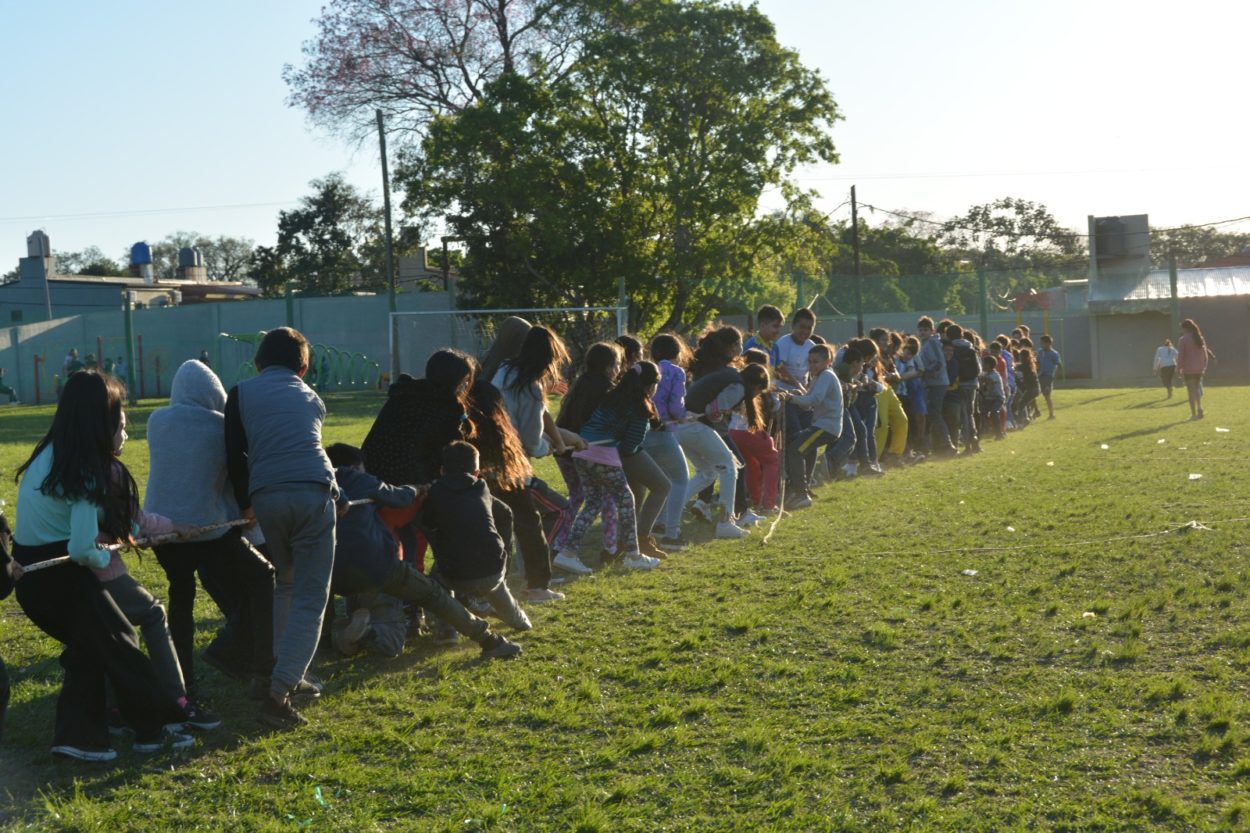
(1069,235)
(137,212)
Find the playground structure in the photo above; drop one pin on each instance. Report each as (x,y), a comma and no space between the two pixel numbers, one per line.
(330,369)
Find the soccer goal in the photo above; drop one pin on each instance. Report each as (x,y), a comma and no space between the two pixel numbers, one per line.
(415,335)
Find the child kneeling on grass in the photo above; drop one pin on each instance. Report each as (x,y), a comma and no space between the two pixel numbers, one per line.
(469,552)
(367,558)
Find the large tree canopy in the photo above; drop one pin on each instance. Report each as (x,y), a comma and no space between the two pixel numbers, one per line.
(645,160)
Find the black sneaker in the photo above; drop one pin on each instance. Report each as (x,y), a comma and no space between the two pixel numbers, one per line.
(280,714)
(84,752)
(195,716)
(167,739)
(495,646)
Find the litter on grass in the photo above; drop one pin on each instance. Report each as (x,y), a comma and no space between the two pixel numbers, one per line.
(1195,477)
(1104,446)
(1011,529)
(970,572)
(1050,462)
(1089,614)
(1161,442)
(1221,430)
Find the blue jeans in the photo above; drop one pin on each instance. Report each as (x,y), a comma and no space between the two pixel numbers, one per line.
(865,408)
(298,519)
(939,436)
(666,451)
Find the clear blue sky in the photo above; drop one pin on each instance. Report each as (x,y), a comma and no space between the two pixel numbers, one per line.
(151,117)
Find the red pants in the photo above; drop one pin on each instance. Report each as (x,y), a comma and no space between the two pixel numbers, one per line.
(763,463)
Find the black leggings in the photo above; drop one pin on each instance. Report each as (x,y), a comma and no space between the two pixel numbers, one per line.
(240,581)
(4,695)
(69,604)
(528,524)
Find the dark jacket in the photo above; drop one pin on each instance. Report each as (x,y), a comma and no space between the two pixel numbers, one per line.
(366,555)
(405,444)
(458,521)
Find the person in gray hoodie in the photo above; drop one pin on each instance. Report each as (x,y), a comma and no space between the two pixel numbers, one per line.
(187,479)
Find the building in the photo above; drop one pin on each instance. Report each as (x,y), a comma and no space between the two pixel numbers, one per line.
(41,293)
(1131,315)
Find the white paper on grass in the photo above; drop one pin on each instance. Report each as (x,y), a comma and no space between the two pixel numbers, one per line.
(1050,463)
(1195,477)
(1221,430)
(1011,529)
(1161,442)
(970,572)
(1104,446)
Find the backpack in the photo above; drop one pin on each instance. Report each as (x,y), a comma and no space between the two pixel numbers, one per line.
(969,364)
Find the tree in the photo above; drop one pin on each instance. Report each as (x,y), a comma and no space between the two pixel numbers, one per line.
(418,59)
(1192,246)
(646,160)
(225,258)
(1019,244)
(89,261)
(329,245)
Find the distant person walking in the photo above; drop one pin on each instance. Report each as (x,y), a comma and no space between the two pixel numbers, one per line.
(1191,363)
(1165,364)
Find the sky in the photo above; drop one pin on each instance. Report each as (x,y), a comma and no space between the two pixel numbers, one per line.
(132,119)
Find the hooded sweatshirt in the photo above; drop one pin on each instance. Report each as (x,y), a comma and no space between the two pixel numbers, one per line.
(187,443)
(366,553)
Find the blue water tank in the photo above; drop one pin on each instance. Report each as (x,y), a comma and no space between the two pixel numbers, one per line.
(140,253)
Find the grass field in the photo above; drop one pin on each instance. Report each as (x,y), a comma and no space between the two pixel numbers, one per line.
(1091,675)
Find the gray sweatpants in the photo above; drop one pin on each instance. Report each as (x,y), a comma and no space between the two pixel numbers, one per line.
(147,614)
(298,522)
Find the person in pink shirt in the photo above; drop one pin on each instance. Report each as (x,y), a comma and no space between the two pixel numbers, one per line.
(1191,363)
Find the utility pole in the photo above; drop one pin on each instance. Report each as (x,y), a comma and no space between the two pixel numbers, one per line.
(985,303)
(386,208)
(859,288)
(1176,303)
(128,324)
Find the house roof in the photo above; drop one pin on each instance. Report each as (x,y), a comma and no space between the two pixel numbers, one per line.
(1152,291)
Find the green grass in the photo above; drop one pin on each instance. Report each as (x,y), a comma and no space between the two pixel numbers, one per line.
(845,677)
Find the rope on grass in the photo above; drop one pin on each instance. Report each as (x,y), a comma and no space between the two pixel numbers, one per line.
(781,476)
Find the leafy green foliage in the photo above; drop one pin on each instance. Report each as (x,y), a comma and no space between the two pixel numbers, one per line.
(331,244)
(646,159)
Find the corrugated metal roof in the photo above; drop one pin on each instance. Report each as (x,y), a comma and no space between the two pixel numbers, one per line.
(1152,291)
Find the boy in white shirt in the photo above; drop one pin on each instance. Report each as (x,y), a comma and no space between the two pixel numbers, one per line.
(823,404)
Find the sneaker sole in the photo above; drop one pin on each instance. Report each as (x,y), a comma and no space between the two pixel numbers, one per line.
(75,754)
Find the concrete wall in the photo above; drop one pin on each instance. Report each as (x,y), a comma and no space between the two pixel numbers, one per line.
(1125,344)
(164,338)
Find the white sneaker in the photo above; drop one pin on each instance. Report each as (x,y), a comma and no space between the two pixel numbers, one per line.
(729,530)
(640,562)
(540,595)
(702,511)
(570,563)
(851,470)
(749,518)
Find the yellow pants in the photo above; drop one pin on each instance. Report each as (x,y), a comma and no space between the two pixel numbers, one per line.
(891,422)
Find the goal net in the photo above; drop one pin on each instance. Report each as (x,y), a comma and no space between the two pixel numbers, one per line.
(415,335)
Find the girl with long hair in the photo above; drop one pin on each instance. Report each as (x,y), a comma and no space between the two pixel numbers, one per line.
(1191,363)
(526,381)
(508,474)
(1028,388)
(73,493)
(616,429)
(602,366)
(751,432)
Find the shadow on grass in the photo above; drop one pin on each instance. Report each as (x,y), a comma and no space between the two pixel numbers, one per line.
(1145,432)
(1159,403)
